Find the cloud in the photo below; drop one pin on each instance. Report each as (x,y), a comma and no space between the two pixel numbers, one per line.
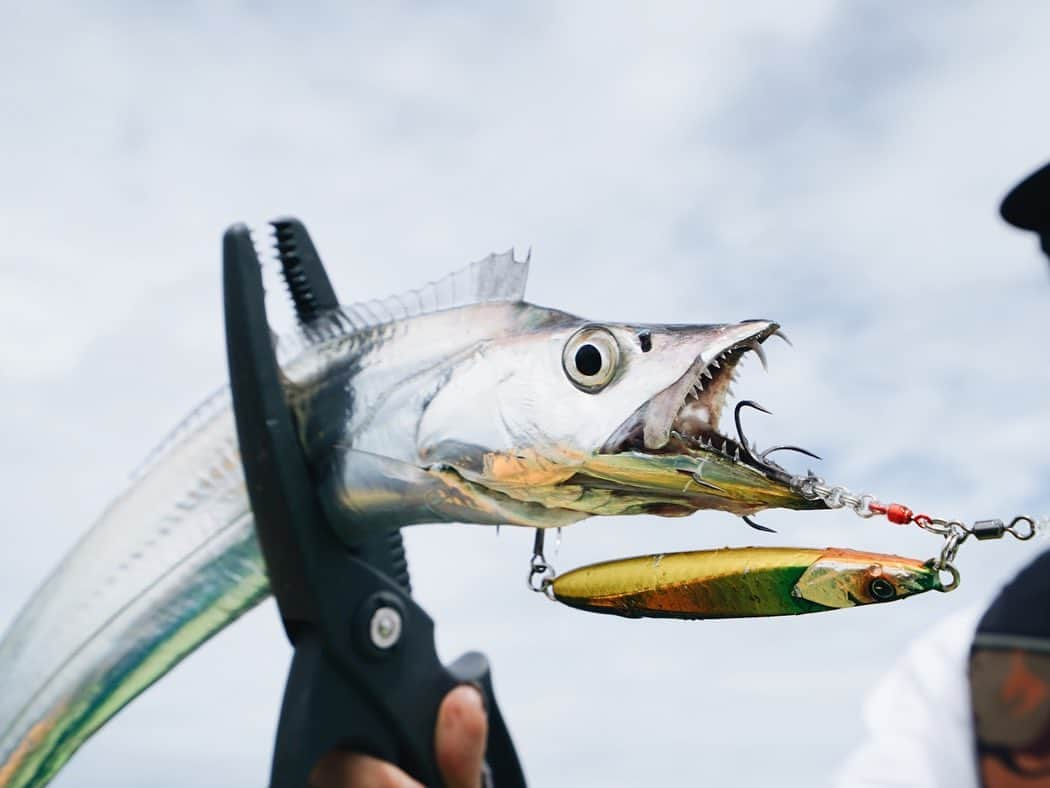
(836,168)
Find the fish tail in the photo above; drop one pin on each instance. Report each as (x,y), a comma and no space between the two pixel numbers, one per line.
(170,563)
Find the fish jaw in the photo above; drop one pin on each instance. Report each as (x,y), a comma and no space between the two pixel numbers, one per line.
(679,484)
(675,439)
(691,406)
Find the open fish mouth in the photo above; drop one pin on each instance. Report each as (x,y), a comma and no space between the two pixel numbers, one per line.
(696,425)
(671,456)
(686,417)
(683,425)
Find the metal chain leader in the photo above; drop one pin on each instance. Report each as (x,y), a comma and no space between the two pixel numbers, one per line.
(954,532)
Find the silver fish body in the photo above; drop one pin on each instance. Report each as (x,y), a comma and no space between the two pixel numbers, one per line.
(458,402)
(169,563)
(174,559)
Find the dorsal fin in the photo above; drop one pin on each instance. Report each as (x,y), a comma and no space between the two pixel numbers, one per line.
(498,277)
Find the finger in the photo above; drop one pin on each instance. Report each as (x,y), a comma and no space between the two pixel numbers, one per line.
(353,770)
(459,741)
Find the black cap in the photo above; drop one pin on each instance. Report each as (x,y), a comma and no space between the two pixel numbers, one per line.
(1027,206)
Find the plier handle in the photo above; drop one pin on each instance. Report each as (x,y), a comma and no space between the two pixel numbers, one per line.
(365,675)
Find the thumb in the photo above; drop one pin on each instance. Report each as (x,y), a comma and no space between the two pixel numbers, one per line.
(459,741)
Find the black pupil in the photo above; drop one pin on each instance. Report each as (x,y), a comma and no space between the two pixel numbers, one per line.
(882,589)
(588,360)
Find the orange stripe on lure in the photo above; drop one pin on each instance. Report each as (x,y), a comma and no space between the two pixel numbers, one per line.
(743,582)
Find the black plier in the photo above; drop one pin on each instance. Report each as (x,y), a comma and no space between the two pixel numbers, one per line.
(365,675)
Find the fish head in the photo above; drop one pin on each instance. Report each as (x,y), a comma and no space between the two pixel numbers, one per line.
(846,578)
(606,418)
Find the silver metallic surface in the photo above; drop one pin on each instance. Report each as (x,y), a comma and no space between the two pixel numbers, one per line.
(384,628)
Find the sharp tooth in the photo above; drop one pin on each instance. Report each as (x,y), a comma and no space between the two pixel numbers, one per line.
(707,371)
(782,335)
(736,453)
(716,363)
(761,355)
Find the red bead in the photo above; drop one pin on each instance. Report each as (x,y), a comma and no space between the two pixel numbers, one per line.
(898,513)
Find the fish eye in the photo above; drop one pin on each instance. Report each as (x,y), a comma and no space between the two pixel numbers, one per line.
(882,589)
(590,358)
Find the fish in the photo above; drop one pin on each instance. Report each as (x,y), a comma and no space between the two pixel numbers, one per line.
(743,582)
(457,402)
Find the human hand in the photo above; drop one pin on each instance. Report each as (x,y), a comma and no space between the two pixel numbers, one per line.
(459,745)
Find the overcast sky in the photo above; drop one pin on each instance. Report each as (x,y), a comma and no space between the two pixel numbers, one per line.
(834,166)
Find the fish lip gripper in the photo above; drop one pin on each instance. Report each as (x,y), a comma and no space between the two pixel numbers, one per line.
(365,675)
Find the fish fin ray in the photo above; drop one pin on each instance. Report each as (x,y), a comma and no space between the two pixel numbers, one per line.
(496,278)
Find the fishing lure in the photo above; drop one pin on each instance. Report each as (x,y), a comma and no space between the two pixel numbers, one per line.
(743,582)
(752,581)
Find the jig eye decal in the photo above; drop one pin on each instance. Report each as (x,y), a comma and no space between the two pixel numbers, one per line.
(882,589)
(590,358)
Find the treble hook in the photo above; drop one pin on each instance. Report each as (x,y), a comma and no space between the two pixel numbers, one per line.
(763,458)
(739,429)
(799,449)
(757,526)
